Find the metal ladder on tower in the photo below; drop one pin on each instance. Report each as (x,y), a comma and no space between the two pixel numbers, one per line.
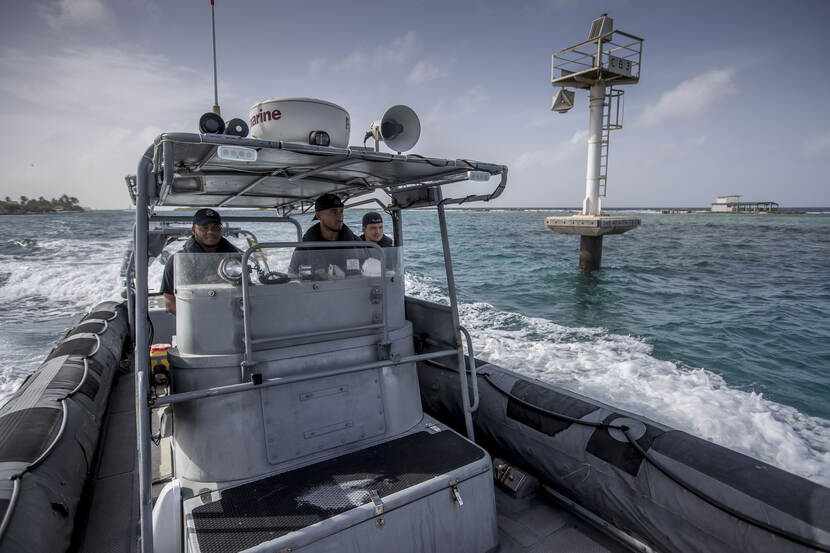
(612,121)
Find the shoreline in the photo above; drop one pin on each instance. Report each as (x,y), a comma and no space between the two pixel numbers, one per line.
(47,212)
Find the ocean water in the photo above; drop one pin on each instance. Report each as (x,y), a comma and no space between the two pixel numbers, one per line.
(714,324)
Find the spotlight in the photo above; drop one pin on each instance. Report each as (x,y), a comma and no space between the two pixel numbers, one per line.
(319,138)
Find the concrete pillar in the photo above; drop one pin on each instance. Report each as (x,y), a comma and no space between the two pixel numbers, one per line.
(590,253)
(591,204)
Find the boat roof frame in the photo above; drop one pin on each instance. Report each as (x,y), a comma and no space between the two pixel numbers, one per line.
(288,176)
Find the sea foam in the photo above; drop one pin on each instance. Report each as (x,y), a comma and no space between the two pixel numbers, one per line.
(621,370)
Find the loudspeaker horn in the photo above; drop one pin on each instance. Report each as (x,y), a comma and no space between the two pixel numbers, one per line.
(399,128)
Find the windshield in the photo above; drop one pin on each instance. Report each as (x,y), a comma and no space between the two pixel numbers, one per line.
(279,265)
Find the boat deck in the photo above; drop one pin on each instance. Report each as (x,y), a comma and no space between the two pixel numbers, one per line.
(535,524)
(540,525)
(112,498)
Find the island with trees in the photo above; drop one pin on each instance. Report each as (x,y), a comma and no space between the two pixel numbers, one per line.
(39,205)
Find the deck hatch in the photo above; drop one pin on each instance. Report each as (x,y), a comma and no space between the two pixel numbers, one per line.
(253,513)
(315,415)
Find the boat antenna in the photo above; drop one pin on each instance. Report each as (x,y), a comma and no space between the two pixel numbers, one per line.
(215,85)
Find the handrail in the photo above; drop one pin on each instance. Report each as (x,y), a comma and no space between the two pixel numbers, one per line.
(142,349)
(279,381)
(315,334)
(480,197)
(247,361)
(462,373)
(471,362)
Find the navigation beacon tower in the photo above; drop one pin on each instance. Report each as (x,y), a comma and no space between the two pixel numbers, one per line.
(607,59)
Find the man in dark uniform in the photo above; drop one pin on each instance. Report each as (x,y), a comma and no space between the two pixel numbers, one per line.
(373,230)
(328,263)
(207,237)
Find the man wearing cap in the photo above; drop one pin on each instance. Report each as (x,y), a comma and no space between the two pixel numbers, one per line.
(207,238)
(373,230)
(328,210)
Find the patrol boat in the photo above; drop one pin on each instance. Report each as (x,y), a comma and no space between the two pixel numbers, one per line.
(322,410)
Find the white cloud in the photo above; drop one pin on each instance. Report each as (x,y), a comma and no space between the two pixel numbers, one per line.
(556,156)
(690,98)
(316,66)
(356,61)
(659,152)
(424,72)
(76,13)
(697,141)
(565,153)
(579,137)
(106,83)
(372,57)
(82,118)
(400,49)
(465,104)
(472,100)
(818,145)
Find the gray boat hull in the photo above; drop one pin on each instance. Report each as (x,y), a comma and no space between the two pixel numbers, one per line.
(604,472)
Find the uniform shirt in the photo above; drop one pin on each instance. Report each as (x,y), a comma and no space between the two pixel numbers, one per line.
(385,241)
(319,258)
(191,246)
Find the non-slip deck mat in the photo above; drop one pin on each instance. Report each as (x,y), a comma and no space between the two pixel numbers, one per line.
(266,509)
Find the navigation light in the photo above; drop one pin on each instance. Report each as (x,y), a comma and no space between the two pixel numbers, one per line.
(236,153)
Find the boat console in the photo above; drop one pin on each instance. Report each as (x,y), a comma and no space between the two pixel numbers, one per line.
(331,421)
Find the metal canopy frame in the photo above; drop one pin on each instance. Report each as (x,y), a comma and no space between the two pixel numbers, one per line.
(289,176)
(183,170)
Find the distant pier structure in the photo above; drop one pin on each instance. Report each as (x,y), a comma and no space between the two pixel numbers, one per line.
(733,204)
(606,60)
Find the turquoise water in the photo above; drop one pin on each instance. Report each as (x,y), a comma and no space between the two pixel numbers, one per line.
(717,325)
(747,297)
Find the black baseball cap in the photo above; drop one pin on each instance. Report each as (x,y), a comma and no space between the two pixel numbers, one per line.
(371,218)
(327,201)
(205,216)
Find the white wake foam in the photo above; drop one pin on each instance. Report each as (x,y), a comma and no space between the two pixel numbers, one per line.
(620,370)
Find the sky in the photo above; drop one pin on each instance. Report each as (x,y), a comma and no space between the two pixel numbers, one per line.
(732,99)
